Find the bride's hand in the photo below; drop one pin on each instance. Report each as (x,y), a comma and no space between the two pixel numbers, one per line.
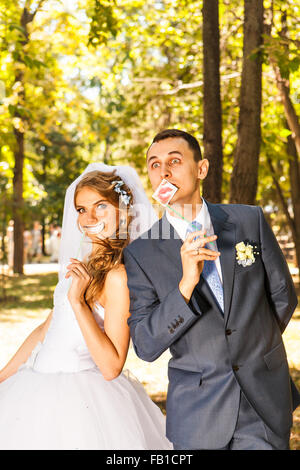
(80,280)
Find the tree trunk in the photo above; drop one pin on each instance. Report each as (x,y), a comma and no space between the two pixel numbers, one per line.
(289,109)
(283,85)
(293,144)
(294,173)
(18,201)
(246,158)
(212,135)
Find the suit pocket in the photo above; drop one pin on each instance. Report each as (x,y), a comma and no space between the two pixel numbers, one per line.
(184,378)
(239,268)
(275,357)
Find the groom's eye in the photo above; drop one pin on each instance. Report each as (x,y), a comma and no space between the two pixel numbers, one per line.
(155,165)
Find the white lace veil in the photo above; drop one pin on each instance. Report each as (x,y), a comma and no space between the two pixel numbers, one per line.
(76,245)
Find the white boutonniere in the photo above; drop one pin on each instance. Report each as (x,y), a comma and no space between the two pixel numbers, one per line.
(245,253)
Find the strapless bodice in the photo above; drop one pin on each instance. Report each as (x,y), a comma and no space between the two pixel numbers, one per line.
(64,348)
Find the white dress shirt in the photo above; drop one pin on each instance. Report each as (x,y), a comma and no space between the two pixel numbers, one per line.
(204,219)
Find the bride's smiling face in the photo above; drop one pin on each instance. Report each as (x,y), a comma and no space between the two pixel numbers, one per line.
(97,217)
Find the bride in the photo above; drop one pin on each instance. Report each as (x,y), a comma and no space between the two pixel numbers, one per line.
(64,388)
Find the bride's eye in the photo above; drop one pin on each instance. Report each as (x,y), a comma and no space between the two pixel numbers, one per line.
(102,206)
(80,210)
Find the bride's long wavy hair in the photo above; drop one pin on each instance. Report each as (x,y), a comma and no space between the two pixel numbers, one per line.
(109,252)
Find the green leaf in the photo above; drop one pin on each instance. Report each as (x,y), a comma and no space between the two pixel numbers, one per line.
(294,64)
(12,109)
(19,28)
(284,132)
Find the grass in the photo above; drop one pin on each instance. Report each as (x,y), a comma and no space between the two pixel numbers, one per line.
(29,301)
(27,297)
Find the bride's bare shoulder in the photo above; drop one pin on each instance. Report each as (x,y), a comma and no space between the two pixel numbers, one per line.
(116,292)
(116,277)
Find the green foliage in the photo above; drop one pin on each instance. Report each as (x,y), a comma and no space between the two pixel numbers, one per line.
(103,24)
(102,77)
(56,166)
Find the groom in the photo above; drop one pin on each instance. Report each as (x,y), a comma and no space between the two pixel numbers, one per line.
(220,299)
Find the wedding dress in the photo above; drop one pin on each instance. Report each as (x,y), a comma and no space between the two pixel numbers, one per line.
(59,399)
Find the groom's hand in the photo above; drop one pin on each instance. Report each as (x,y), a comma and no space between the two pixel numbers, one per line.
(193,254)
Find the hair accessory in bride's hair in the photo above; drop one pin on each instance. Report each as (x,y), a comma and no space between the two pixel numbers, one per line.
(125,198)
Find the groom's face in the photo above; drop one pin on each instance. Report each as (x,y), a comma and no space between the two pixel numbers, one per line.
(173,159)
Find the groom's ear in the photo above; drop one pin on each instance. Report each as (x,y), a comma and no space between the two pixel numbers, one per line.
(203,166)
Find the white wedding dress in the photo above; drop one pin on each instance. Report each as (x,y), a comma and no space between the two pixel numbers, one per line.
(59,399)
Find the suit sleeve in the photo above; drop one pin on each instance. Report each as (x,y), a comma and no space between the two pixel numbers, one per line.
(279,282)
(155,325)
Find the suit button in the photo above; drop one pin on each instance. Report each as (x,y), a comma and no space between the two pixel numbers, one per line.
(235,368)
(228,332)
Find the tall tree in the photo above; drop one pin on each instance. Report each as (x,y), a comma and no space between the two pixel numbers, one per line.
(294,173)
(281,53)
(19,115)
(40,102)
(212,113)
(284,59)
(246,157)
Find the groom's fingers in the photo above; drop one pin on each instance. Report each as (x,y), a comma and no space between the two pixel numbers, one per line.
(199,238)
(195,235)
(204,253)
(197,244)
(197,249)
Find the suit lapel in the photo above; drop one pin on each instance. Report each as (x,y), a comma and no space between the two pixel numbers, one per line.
(170,243)
(226,233)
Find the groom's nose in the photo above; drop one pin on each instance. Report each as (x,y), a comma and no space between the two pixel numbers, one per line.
(165,171)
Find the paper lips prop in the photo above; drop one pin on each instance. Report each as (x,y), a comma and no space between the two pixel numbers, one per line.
(164,192)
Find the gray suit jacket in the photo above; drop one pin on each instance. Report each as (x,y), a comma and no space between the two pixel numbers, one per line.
(214,356)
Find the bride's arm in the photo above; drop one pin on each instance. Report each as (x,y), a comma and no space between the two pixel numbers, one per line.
(25,350)
(108,348)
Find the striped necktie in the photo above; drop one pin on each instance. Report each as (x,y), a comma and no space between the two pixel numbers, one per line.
(210,272)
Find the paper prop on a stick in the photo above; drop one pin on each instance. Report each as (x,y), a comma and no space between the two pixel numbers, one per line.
(164,192)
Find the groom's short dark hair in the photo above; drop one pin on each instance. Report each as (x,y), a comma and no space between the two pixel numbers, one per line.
(190,139)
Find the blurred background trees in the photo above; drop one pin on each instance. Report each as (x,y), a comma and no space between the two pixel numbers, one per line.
(91,80)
